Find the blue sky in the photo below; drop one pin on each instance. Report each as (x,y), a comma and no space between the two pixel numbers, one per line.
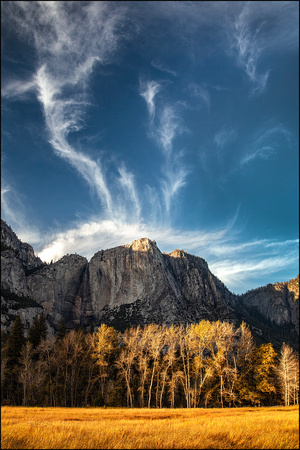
(176,121)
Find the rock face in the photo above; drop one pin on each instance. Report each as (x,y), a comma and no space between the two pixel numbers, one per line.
(132,285)
(277,303)
(137,284)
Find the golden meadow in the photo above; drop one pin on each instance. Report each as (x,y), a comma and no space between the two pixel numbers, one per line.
(120,428)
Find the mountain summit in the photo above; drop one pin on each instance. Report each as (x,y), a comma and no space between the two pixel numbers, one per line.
(133,285)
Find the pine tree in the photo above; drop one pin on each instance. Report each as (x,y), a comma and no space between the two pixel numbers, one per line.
(12,353)
(15,342)
(37,331)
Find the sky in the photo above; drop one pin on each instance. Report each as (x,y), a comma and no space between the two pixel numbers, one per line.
(175,121)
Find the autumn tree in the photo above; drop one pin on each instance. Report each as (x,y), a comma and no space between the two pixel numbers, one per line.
(168,360)
(221,351)
(106,340)
(201,337)
(127,358)
(264,373)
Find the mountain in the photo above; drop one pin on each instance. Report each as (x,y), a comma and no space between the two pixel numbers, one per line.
(136,284)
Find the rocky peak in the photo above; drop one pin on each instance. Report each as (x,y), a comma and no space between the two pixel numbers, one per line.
(292,285)
(142,245)
(178,254)
(24,251)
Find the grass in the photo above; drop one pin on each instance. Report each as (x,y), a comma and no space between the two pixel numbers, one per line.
(121,428)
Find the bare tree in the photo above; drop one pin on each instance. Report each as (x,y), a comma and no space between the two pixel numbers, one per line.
(89,361)
(221,348)
(201,336)
(168,359)
(127,358)
(186,349)
(46,358)
(155,347)
(26,371)
(288,374)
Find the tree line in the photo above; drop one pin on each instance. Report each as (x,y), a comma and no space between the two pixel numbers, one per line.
(208,364)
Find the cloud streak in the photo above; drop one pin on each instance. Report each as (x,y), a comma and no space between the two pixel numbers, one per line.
(148,90)
(247,48)
(267,145)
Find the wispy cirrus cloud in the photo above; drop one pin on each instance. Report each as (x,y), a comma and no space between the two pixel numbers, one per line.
(200,92)
(14,211)
(235,273)
(17,89)
(224,136)
(148,90)
(246,46)
(69,42)
(163,68)
(267,144)
(166,127)
(254,259)
(175,173)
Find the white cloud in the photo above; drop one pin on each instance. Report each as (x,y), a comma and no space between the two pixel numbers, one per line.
(243,260)
(200,92)
(235,273)
(148,91)
(224,136)
(254,259)
(17,89)
(87,238)
(170,126)
(132,205)
(159,66)
(247,48)
(14,212)
(268,144)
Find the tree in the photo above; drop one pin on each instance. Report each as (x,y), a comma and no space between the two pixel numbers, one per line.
(37,331)
(68,357)
(105,342)
(155,346)
(47,366)
(264,373)
(15,342)
(288,374)
(169,358)
(27,370)
(127,357)
(92,375)
(221,351)
(186,354)
(12,352)
(202,337)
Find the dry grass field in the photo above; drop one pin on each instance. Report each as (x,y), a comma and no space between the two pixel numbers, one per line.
(67,428)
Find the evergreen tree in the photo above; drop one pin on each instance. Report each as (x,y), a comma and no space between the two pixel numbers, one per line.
(12,353)
(14,343)
(37,333)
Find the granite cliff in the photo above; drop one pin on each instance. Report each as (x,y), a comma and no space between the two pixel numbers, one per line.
(136,284)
